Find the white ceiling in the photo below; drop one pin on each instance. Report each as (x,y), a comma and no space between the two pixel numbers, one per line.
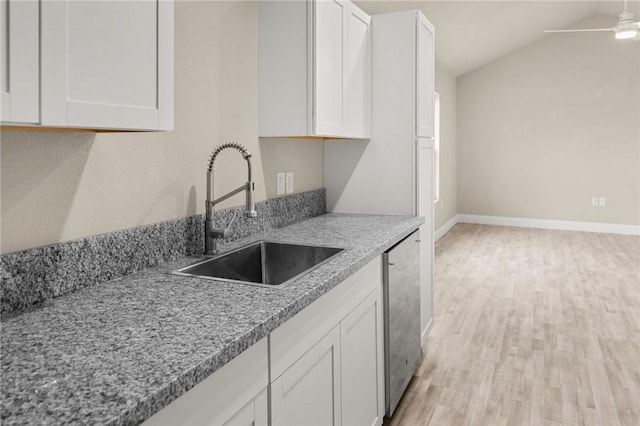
(472,33)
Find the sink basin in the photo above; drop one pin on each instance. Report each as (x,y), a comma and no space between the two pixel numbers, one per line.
(264,263)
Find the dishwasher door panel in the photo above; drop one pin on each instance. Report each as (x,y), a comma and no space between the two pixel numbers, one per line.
(401,266)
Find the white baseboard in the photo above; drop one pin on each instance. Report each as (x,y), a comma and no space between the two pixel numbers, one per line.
(606,228)
(440,232)
(564,225)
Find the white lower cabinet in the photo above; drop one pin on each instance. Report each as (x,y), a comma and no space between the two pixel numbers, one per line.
(325,367)
(327,364)
(255,413)
(308,393)
(362,363)
(236,394)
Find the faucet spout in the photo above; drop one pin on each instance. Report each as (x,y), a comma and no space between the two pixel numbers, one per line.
(211,233)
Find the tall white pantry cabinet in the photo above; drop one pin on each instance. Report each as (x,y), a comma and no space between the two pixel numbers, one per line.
(87,64)
(392,173)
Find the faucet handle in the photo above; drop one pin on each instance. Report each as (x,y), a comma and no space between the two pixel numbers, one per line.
(231,221)
(225,232)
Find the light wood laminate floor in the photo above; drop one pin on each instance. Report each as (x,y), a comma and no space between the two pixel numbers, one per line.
(532,327)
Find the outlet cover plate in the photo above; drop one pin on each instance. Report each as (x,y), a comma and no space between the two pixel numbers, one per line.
(280,183)
(289,182)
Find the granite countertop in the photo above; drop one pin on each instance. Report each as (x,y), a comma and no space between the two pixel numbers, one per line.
(118,352)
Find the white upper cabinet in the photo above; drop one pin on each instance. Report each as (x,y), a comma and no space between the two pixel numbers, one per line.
(425,80)
(107,64)
(102,64)
(358,73)
(19,75)
(314,66)
(330,47)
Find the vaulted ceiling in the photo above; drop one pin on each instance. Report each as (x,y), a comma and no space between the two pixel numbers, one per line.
(472,33)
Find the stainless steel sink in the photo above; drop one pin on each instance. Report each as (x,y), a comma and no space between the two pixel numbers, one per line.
(263,263)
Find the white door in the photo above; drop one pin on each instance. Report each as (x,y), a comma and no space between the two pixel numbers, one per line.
(358,73)
(19,75)
(425,78)
(107,64)
(330,45)
(425,209)
(308,392)
(362,363)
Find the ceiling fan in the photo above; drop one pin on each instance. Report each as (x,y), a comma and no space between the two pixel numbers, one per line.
(626,28)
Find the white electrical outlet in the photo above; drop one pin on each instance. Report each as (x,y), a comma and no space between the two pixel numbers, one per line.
(594,201)
(602,201)
(280,183)
(289,182)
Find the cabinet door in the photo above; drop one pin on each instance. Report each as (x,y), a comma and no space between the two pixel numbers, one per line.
(330,50)
(107,64)
(358,73)
(425,209)
(255,413)
(425,77)
(19,75)
(308,392)
(362,363)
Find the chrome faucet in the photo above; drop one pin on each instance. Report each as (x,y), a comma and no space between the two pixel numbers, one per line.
(210,232)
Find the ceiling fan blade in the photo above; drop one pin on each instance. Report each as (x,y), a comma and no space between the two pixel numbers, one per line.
(579,30)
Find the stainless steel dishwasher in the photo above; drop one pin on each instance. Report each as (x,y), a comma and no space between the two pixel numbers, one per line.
(401,274)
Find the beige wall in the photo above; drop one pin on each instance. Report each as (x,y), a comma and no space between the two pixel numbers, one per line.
(544,129)
(303,157)
(60,186)
(447,205)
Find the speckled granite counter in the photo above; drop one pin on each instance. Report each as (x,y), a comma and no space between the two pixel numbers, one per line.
(118,352)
